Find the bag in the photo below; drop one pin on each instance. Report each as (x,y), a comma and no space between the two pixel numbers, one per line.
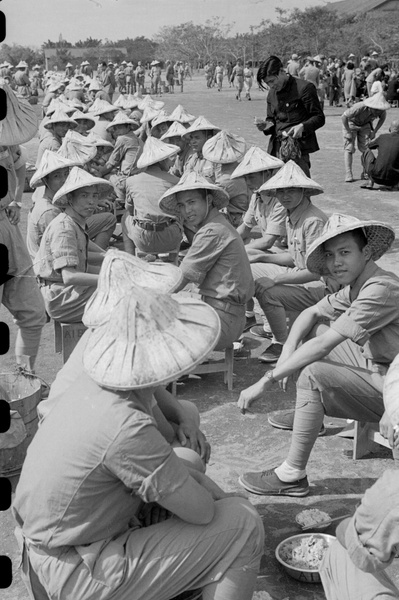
(290,149)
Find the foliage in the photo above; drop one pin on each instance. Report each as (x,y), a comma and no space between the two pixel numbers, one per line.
(88,43)
(15,53)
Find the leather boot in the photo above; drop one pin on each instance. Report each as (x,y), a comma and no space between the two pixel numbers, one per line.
(348,157)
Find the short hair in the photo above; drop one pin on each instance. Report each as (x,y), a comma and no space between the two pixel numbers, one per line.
(394,126)
(350,65)
(270,66)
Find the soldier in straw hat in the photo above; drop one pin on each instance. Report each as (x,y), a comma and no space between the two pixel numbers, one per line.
(103,479)
(356,563)
(342,366)
(67,273)
(104,113)
(57,126)
(216,260)
(18,289)
(357,122)
(282,281)
(174,136)
(200,131)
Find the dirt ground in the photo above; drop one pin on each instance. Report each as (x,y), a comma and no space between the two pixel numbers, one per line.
(241,443)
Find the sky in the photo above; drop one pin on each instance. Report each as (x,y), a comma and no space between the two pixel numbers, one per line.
(33,22)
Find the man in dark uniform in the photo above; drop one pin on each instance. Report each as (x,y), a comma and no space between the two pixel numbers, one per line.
(293,113)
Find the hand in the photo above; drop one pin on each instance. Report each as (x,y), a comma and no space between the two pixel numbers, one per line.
(152,513)
(296,131)
(13,213)
(260,123)
(386,428)
(347,135)
(254,392)
(190,436)
(372,135)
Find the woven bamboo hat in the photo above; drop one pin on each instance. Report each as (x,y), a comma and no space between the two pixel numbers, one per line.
(391,391)
(119,102)
(95,86)
(69,65)
(122,119)
(180,114)
(101,107)
(379,239)
(78,115)
(98,140)
(192,181)
(20,124)
(175,130)
(224,148)
(155,151)
(21,65)
(76,104)
(202,124)
(290,176)
(59,116)
(57,104)
(162,117)
(74,85)
(118,272)
(130,102)
(78,178)
(150,340)
(78,148)
(256,160)
(155,62)
(149,101)
(377,101)
(149,114)
(50,162)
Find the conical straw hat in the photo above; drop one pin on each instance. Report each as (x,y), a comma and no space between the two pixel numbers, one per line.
(150,340)
(119,102)
(74,85)
(78,148)
(175,130)
(380,237)
(192,181)
(224,148)
(95,86)
(50,162)
(21,65)
(155,151)
(57,104)
(255,161)
(180,114)
(130,102)
(59,116)
(77,179)
(78,115)
(98,140)
(291,176)
(149,114)
(122,119)
(149,101)
(202,124)
(69,65)
(118,272)
(161,117)
(391,392)
(77,104)
(102,107)
(377,101)
(20,124)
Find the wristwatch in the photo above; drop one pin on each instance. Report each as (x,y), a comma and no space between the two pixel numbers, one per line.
(269,376)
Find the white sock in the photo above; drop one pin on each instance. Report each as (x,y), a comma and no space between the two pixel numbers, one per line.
(288,474)
(249,313)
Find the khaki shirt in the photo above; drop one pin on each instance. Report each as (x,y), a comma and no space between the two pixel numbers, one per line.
(266,212)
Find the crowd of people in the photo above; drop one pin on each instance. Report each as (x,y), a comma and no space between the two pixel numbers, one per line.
(113,499)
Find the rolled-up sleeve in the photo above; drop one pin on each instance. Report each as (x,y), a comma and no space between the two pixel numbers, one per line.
(64,249)
(202,255)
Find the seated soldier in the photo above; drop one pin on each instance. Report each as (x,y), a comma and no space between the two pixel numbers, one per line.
(105,113)
(103,499)
(66,266)
(383,169)
(174,136)
(198,133)
(341,366)
(85,122)
(58,125)
(216,261)
(282,281)
(366,545)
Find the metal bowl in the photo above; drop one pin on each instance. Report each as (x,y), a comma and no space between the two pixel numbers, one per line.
(301,522)
(301,573)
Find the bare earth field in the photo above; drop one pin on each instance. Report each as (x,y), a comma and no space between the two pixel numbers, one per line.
(241,443)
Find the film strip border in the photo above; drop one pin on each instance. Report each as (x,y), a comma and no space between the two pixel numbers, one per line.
(5,484)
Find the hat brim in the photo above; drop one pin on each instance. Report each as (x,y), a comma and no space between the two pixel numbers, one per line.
(104,189)
(380,238)
(168,202)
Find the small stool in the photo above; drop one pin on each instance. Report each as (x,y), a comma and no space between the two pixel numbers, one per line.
(366,436)
(66,336)
(225,367)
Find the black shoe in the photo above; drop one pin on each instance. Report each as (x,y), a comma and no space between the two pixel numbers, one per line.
(258,331)
(285,420)
(271,354)
(249,322)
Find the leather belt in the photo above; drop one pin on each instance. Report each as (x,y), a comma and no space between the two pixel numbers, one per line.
(230,307)
(152,226)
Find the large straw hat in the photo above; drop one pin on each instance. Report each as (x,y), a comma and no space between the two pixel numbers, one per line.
(77,179)
(78,115)
(119,102)
(20,123)
(162,117)
(149,101)
(55,86)
(77,104)
(192,181)
(118,272)
(224,148)
(101,107)
(255,161)
(155,62)
(122,119)
(74,85)
(50,162)
(150,340)
(202,124)
(69,65)
(95,86)
(149,114)
(78,148)
(130,102)
(22,65)
(391,392)
(155,151)
(379,239)
(58,104)
(96,139)
(175,130)
(180,114)
(291,176)
(377,101)
(59,116)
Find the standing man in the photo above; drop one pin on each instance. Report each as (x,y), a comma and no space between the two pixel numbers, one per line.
(108,79)
(293,66)
(293,112)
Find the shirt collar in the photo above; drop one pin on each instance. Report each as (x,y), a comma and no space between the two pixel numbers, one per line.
(298,211)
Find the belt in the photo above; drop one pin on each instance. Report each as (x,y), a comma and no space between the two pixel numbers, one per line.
(44,282)
(230,307)
(152,226)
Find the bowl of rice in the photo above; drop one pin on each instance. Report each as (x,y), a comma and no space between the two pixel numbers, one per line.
(311,517)
(301,555)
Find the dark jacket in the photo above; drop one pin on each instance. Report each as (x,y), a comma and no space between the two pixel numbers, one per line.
(296,103)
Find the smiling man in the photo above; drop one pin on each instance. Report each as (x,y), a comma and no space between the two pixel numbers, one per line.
(342,366)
